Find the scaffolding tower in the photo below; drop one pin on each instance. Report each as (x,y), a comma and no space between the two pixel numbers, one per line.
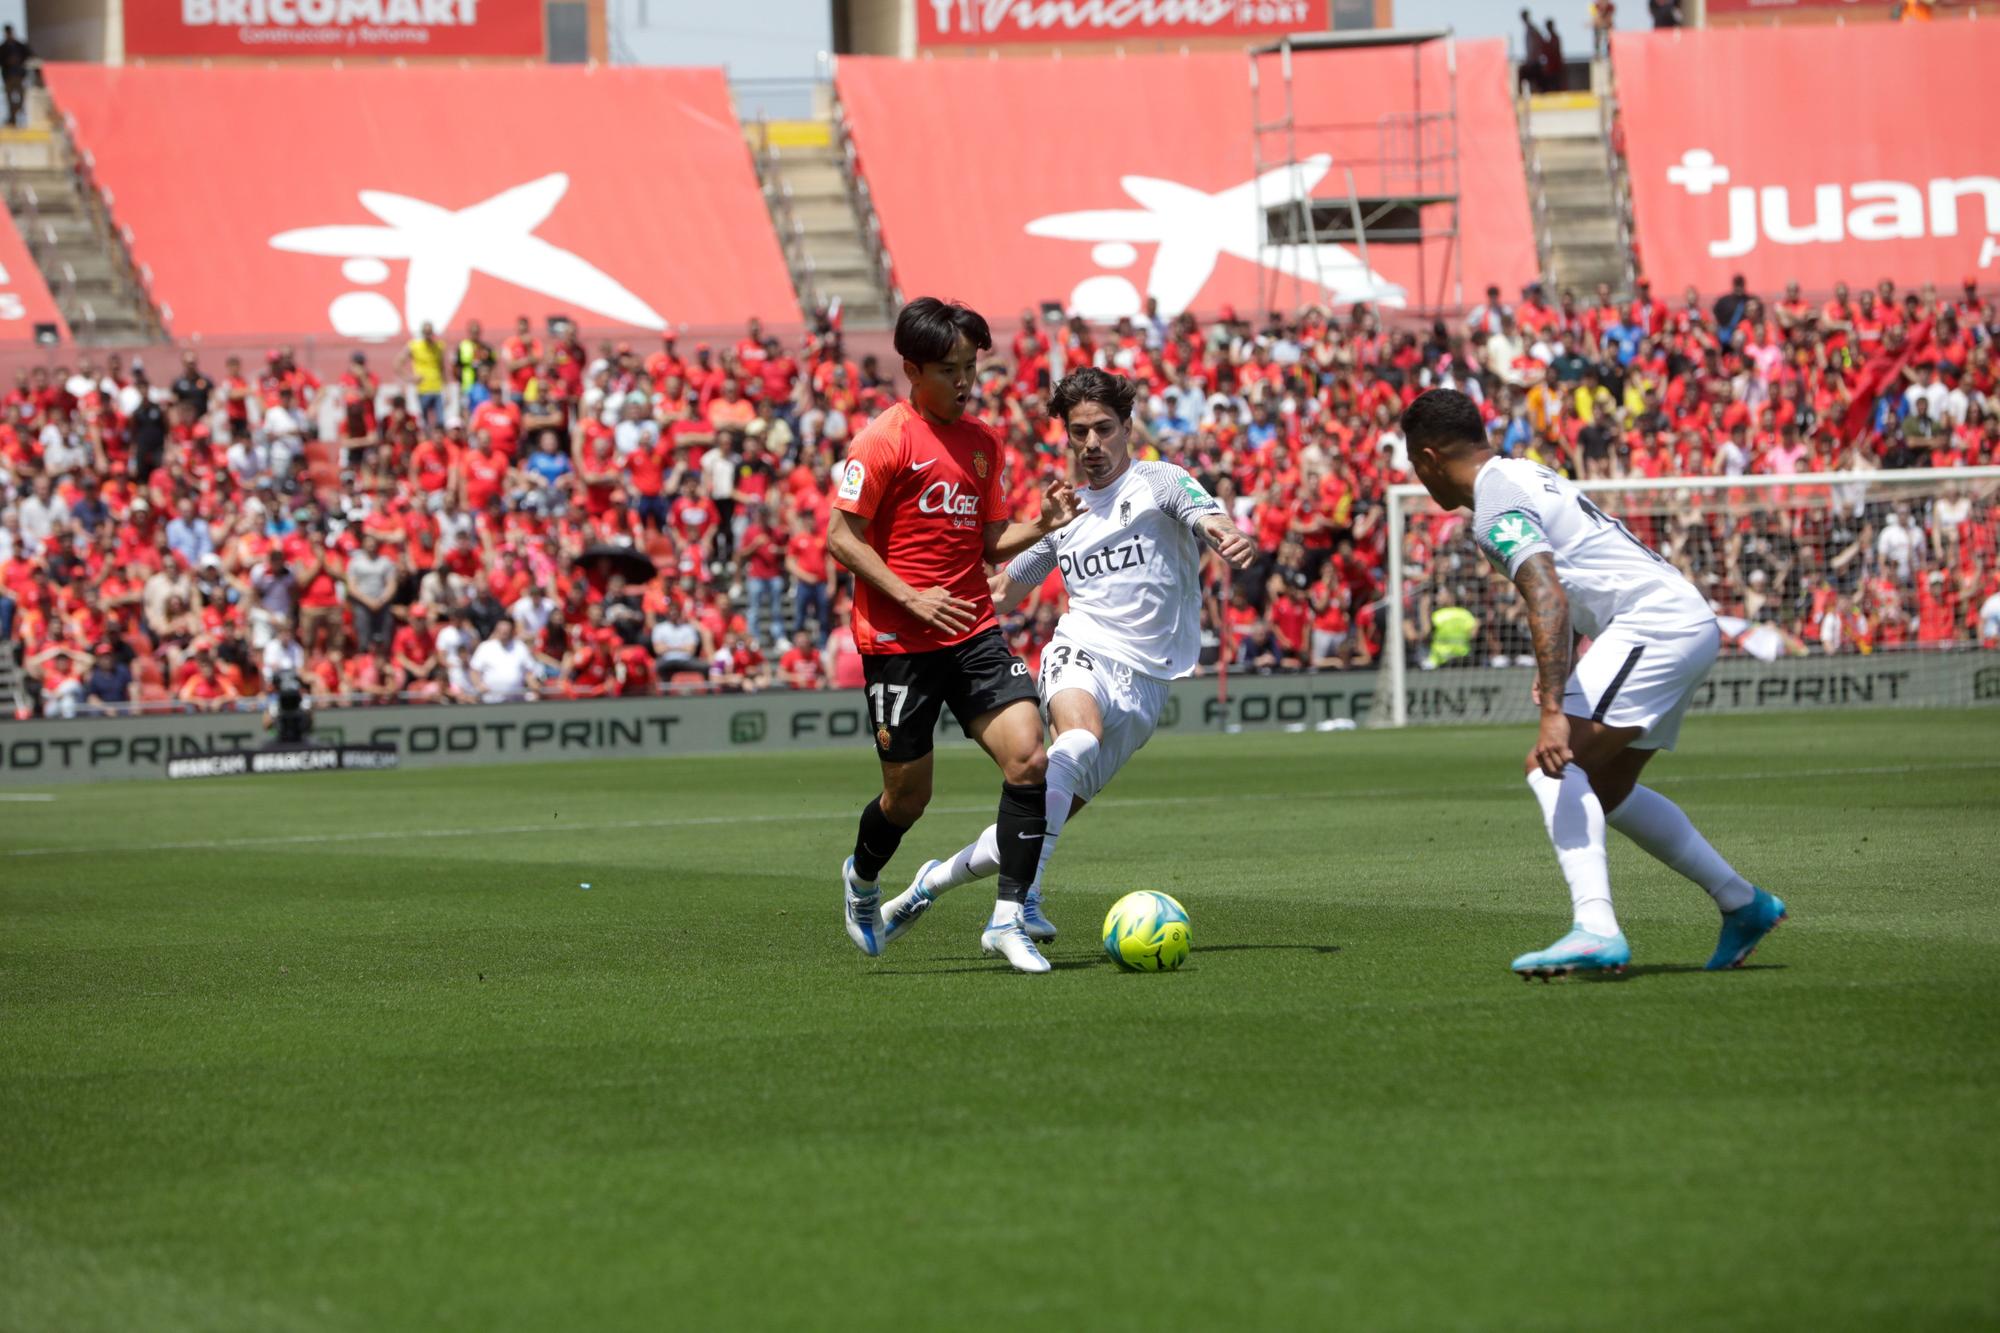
(1410,158)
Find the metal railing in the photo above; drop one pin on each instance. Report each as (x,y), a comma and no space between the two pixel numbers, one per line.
(114,239)
(1605,86)
(778,199)
(1538,198)
(863,200)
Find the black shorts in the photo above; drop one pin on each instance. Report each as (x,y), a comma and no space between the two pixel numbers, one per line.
(907,691)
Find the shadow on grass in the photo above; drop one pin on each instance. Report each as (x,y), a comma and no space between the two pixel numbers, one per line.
(1072,964)
(998,967)
(1638,970)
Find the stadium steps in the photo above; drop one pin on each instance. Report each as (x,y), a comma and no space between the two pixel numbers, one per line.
(1571,165)
(69,229)
(819,224)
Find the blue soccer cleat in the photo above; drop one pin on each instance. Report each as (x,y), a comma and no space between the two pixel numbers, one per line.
(907,907)
(1578,951)
(1040,929)
(1745,928)
(863,909)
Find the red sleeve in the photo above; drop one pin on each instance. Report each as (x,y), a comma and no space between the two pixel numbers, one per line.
(872,460)
(994,507)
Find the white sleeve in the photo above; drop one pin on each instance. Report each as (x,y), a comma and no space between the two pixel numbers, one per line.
(1179,494)
(1506,525)
(1034,565)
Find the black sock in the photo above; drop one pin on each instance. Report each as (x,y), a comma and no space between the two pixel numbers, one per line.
(1023,820)
(876,842)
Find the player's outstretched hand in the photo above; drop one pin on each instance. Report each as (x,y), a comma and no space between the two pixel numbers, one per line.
(937,608)
(1551,753)
(1231,542)
(1059,505)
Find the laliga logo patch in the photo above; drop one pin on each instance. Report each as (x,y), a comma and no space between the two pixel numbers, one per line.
(851,478)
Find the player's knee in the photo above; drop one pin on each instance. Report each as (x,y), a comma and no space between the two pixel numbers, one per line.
(905,807)
(1027,769)
(1071,758)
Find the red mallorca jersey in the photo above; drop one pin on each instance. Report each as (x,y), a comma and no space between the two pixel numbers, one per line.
(928,493)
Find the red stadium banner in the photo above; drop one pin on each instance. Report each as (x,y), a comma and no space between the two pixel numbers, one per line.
(326,28)
(1100,182)
(24,297)
(431,194)
(1049,22)
(1799,154)
(1871,8)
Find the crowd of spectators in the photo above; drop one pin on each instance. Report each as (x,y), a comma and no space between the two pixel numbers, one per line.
(530,517)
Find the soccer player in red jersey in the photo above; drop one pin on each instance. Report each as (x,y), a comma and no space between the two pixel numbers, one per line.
(917,515)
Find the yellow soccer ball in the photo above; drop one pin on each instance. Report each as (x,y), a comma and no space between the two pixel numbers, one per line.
(1147,932)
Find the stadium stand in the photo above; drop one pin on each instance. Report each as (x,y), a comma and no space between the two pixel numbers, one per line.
(1800,155)
(25,301)
(167,542)
(1030,215)
(175,533)
(269,202)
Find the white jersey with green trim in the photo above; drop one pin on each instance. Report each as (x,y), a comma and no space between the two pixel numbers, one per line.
(1521,508)
(1132,564)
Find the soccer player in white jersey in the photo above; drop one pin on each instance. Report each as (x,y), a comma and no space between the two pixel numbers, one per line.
(1653,640)
(1131,562)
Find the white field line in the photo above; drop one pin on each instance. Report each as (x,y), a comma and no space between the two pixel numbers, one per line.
(1110,803)
(25,796)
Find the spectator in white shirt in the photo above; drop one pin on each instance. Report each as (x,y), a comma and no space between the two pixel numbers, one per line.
(502,668)
(283,653)
(533,610)
(63,450)
(1930,390)
(1898,546)
(284,430)
(41,515)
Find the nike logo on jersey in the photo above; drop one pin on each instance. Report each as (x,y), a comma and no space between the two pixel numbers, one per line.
(1106,560)
(919,467)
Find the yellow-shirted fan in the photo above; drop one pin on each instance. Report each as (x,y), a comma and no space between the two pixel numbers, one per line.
(1147,932)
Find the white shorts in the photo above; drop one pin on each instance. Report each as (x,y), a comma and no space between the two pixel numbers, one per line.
(1643,678)
(1129,702)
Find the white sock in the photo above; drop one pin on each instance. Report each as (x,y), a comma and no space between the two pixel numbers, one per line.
(1071,760)
(1004,910)
(978,859)
(1669,837)
(1574,818)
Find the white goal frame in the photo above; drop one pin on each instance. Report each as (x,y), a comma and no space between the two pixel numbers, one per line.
(1882,484)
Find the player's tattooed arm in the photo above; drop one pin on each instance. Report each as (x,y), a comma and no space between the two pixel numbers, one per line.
(1549,626)
(1227,540)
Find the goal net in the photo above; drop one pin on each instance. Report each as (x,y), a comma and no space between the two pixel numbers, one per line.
(1846,589)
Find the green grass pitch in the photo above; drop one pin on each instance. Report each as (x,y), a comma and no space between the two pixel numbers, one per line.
(359,1052)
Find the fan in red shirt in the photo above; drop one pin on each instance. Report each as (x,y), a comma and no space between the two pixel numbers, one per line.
(801,667)
(917,516)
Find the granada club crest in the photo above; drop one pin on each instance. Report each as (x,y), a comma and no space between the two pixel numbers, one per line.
(979,465)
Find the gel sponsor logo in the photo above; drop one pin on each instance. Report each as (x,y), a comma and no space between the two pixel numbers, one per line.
(945,497)
(1872,210)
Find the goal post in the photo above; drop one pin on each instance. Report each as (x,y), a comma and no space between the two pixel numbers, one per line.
(1833,588)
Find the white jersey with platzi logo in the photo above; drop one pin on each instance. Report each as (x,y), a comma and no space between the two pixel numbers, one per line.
(1132,564)
(1521,508)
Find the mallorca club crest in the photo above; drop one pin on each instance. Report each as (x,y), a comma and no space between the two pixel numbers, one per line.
(882,737)
(979,465)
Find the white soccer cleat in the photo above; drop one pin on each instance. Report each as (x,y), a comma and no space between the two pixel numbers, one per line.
(1040,929)
(1011,942)
(864,919)
(906,908)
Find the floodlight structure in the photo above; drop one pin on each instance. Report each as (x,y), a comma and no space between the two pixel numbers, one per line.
(1408,159)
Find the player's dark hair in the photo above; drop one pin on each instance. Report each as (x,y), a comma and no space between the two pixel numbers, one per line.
(927,328)
(1443,420)
(1114,393)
